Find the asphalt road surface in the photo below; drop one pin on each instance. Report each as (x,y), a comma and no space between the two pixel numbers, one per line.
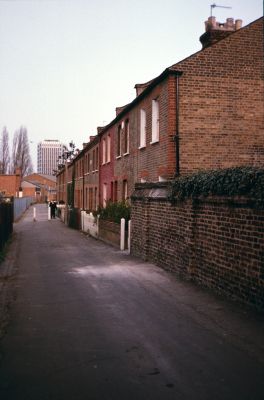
(92,323)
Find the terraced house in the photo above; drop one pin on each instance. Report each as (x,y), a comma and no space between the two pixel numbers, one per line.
(90,158)
(205,112)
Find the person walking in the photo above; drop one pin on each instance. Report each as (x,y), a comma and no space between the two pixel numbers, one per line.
(53,207)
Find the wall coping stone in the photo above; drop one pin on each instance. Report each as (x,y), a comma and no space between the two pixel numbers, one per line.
(153,191)
(158,191)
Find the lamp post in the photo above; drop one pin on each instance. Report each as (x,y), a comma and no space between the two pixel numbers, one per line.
(64,158)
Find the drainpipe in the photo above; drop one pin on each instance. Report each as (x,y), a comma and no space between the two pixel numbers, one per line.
(83,181)
(177,133)
(100,189)
(66,193)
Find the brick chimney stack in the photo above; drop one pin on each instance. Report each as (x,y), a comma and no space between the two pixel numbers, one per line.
(215,31)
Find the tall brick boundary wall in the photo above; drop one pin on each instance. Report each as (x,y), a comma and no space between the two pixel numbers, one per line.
(216,242)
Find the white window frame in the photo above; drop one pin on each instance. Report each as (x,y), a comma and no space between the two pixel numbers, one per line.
(143,126)
(104,151)
(125,189)
(104,194)
(108,145)
(119,141)
(126,136)
(155,121)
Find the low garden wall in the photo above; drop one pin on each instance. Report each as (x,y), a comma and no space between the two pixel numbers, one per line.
(109,232)
(89,224)
(216,241)
(61,212)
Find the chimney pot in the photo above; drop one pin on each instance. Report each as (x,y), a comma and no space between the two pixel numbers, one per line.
(230,22)
(238,24)
(210,23)
(215,31)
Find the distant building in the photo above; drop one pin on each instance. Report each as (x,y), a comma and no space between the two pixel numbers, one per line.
(39,186)
(48,153)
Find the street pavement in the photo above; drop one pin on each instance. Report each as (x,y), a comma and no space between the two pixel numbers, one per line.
(88,322)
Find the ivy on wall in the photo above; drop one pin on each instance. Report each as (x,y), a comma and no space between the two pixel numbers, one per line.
(239,181)
(71,189)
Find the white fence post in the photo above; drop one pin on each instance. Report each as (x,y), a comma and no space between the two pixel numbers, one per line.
(122,234)
(129,236)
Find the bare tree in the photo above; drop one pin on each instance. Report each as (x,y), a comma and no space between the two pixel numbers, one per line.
(4,152)
(20,152)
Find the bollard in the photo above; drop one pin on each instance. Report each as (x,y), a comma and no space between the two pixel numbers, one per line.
(122,234)
(49,214)
(34,214)
(129,236)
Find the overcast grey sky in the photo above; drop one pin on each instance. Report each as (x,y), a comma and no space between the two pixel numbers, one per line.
(66,64)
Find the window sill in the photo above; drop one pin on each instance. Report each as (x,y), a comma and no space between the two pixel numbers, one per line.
(126,154)
(141,147)
(154,141)
(118,157)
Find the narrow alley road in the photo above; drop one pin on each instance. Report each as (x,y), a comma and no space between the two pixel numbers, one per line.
(92,323)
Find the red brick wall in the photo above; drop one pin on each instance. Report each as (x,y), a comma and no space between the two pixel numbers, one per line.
(29,192)
(157,159)
(153,160)
(124,165)
(60,186)
(109,232)
(216,243)
(86,177)
(10,184)
(221,103)
(86,172)
(91,175)
(221,119)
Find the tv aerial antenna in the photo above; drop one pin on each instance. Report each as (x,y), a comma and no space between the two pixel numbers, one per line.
(215,5)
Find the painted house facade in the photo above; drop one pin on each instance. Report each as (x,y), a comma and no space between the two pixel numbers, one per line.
(108,188)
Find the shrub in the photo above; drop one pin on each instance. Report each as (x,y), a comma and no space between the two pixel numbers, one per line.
(114,211)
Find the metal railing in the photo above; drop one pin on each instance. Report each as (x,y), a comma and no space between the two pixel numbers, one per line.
(21,204)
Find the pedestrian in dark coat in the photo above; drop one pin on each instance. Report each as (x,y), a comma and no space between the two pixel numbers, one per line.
(53,207)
